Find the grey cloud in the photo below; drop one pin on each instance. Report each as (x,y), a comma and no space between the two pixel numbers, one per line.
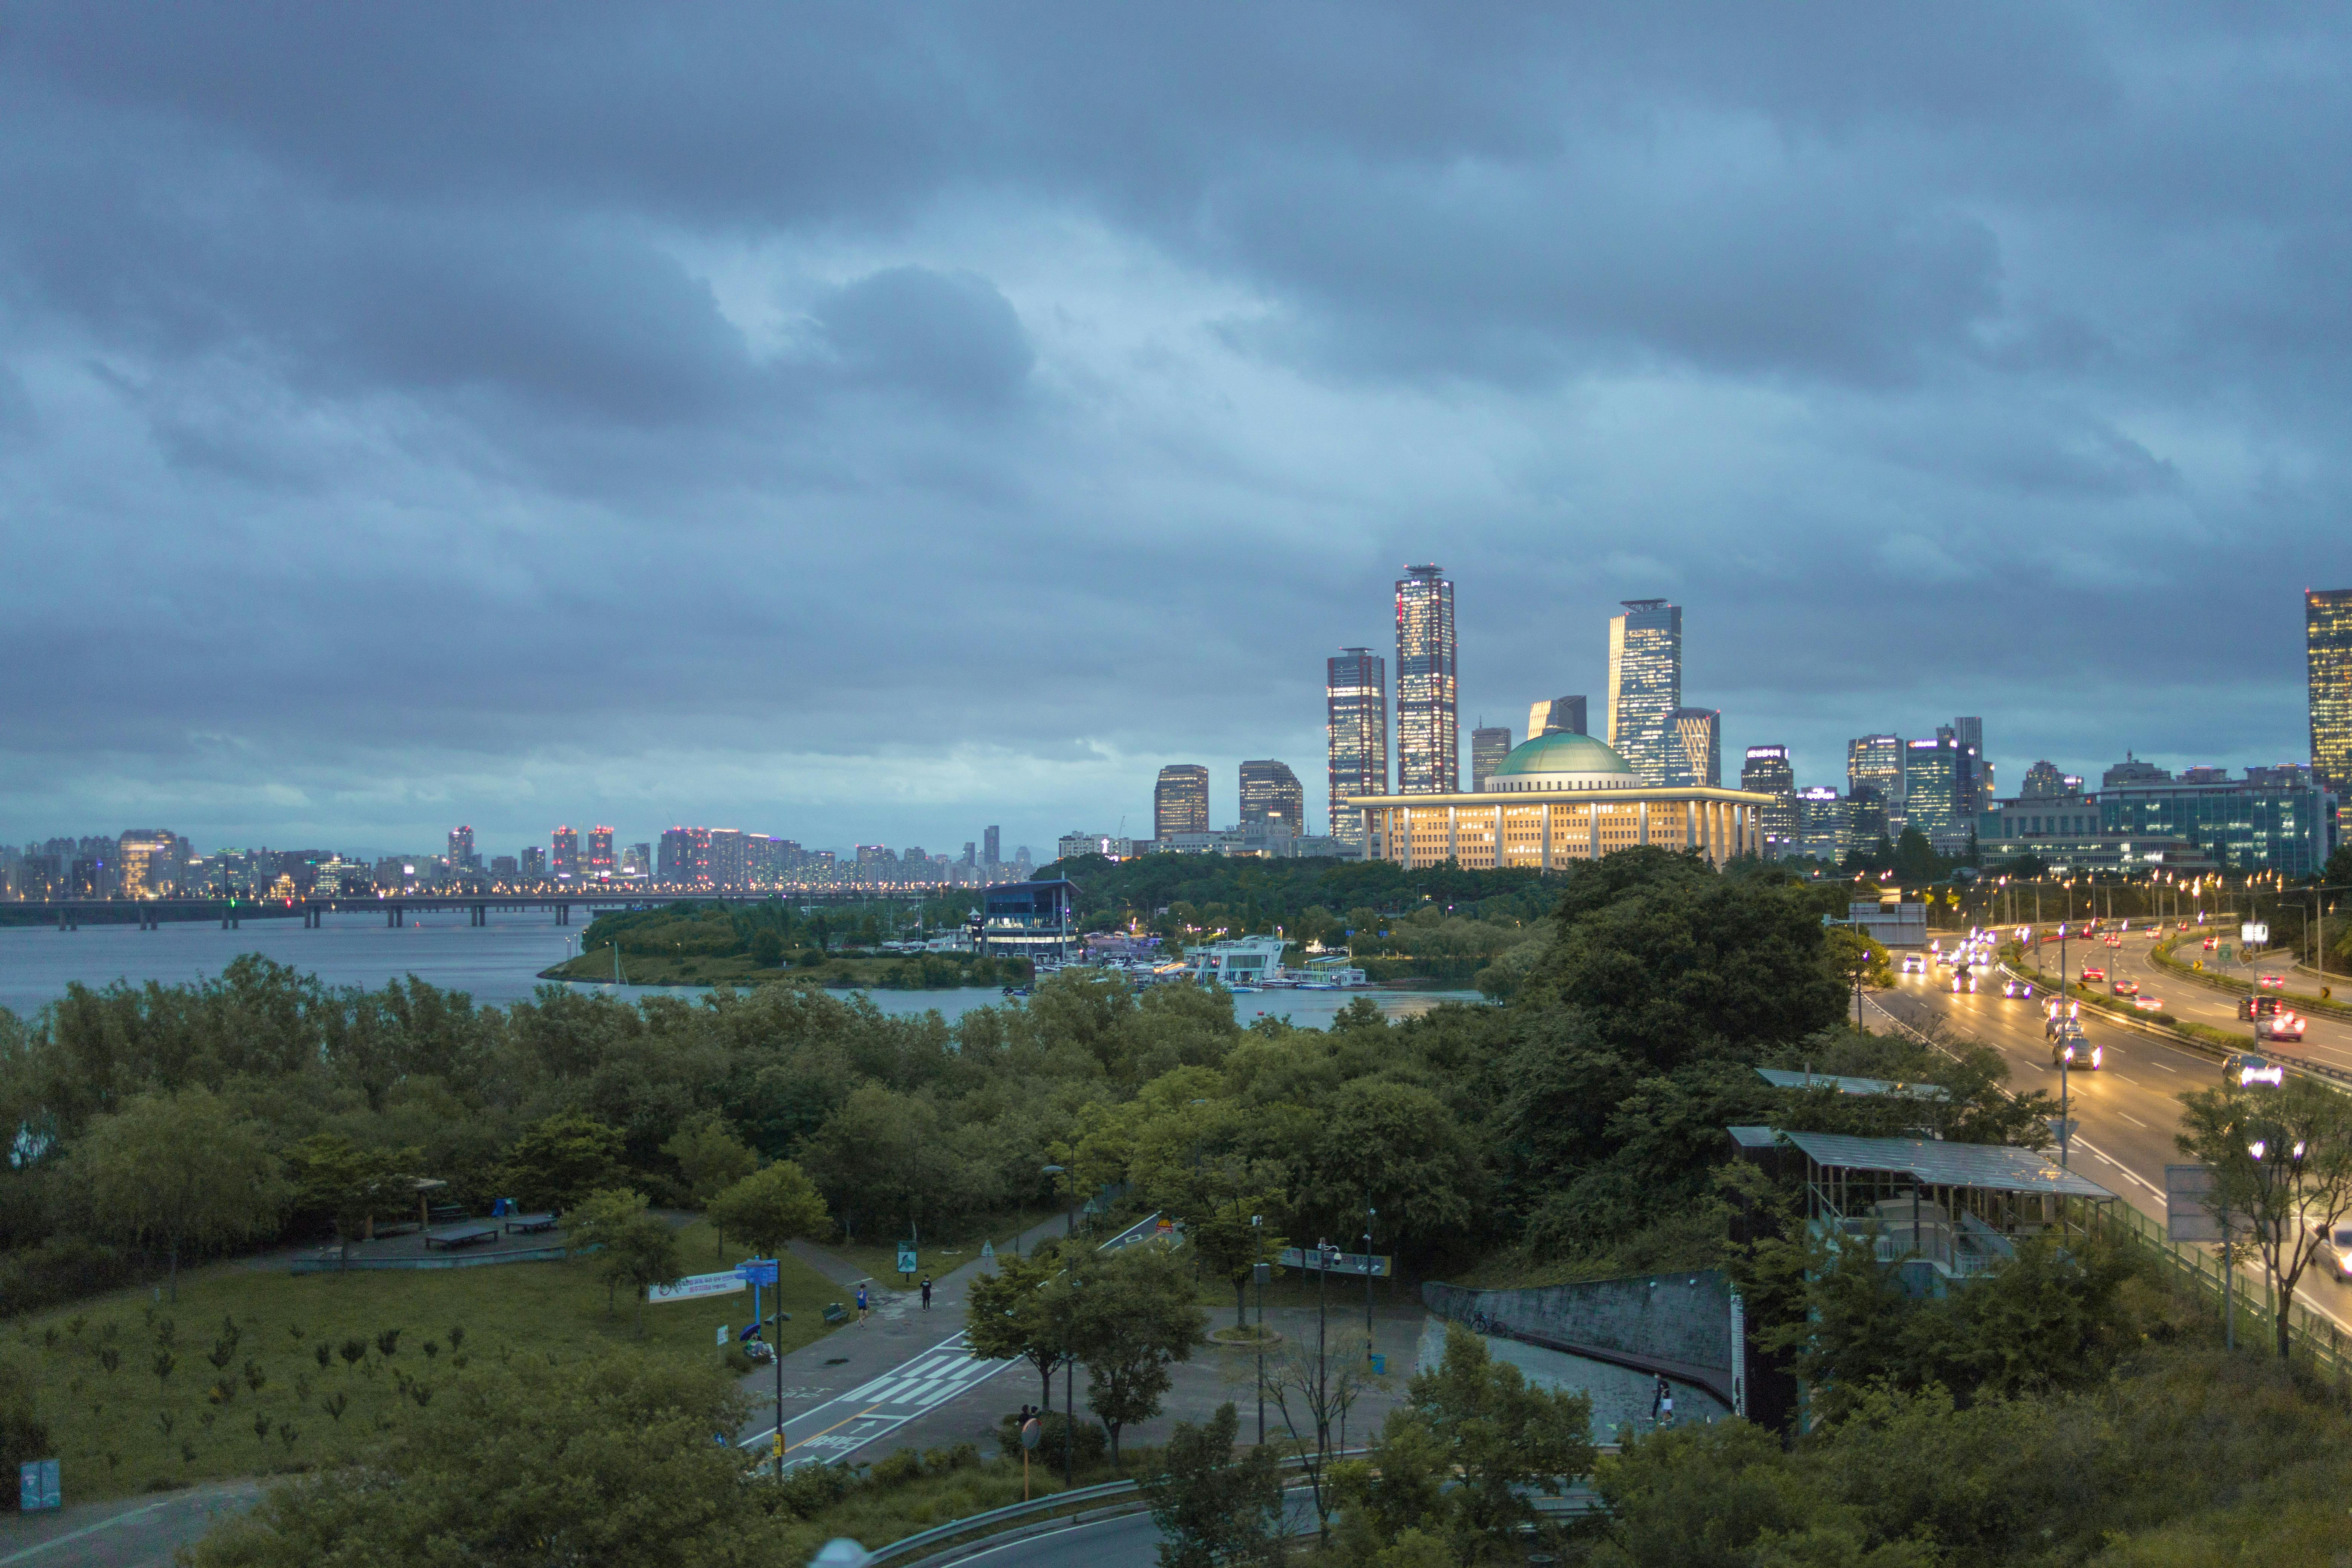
(951,335)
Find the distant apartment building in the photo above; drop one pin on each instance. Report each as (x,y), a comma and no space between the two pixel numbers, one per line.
(637,860)
(1823,830)
(1356,732)
(682,857)
(1428,683)
(461,851)
(1694,748)
(2044,782)
(599,867)
(970,856)
(1270,792)
(728,857)
(1109,845)
(1555,716)
(992,840)
(1767,770)
(1489,744)
(148,863)
(2132,771)
(533,865)
(1645,685)
(1180,802)
(1868,816)
(564,863)
(503,868)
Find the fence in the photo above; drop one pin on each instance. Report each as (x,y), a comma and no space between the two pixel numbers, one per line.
(2315,1343)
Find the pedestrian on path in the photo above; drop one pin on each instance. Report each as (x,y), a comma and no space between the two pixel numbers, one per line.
(1662,1400)
(927,1292)
(861,1303)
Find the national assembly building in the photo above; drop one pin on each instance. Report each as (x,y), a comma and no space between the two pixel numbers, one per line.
(1555,799)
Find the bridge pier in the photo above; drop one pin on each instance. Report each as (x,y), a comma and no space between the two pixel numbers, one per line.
(563,914)
(480,914)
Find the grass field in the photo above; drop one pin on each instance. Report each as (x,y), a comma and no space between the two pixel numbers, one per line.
(939,1254)
(255,1398)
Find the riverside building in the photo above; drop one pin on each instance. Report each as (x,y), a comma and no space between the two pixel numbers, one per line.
(1558,799)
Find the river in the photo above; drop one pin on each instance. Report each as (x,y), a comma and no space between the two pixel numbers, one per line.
(495,963)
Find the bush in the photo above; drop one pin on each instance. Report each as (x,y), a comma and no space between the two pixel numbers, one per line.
(22,1434)
(1093,1442)
(60,1269)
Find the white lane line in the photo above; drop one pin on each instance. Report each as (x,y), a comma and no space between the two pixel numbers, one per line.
(2152,1062)
(2082,1143)
(2135,1121)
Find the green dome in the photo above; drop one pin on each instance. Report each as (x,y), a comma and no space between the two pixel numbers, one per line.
(1562,753)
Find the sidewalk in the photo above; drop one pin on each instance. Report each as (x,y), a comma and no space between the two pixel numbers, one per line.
(122,1532)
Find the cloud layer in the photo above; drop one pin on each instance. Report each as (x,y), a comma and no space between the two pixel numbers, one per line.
(874,423)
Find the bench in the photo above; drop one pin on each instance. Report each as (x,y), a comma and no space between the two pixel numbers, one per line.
(459,1235)
(835,1313)
(530,1224)
(443,1214)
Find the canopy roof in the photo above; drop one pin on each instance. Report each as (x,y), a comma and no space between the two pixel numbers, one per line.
(1990,1167)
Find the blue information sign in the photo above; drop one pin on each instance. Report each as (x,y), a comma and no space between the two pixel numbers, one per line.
(38,1486)
(757,1270)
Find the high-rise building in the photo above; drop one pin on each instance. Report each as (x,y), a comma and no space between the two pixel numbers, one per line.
(147,866)
(1694,748)
(502,867)
(1767,770)
(2044,782)
(1555,716)
(992,840)
(1876,761)
(683,859)
(1645,684)
(2132,771)
(534,864)
(1934,783)
(1180,802)
(1488,747)
(599,867)
(1270,792)
(729,856)
(1969,732)
(566,859)
(1824,829)
(1866,816)
(1356,732)
(1428,698)
(970,854)
(637,860)
(2327,652)
(461,850)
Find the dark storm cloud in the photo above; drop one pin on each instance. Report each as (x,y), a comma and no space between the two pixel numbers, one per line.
(862,421)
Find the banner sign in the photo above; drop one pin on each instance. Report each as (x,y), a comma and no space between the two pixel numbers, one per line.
(2254,934)
(1306,1258)
(905,1258)
(694,1287)
(2188,1204)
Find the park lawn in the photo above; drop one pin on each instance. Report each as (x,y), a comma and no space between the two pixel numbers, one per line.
(126,1431)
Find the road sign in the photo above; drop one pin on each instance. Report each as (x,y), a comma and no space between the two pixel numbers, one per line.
(2222,954)
(1031,1432)
(1357,1263)
(722,1334)
(2254,934)
(38,1486)
(757,1270)
(988,1249)
(2189,1204)
(694,1287)
(905,1258)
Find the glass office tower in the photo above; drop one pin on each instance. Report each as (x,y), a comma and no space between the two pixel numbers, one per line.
(1428,700)
(1270,792)
(1355,707)
(1767,771)
(2328,642)
(1645,684)
(1694,748)
(1488,747)
(1555,716)
(1179,800)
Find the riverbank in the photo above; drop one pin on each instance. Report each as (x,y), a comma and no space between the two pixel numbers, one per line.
(864,972)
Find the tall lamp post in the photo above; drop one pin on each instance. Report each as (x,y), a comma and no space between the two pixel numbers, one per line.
(1259,1269)
(1069,1199)
(1370,1213)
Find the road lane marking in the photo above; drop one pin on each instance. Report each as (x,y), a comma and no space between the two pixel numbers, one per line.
(2135,1121)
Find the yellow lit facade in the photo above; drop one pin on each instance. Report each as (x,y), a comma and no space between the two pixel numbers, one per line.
(1558,799)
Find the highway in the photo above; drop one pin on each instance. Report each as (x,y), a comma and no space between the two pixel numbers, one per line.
(2126,1113)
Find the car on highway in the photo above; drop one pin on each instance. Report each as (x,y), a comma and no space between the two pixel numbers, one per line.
(2336,1248)
(1914,963)
(2148,1003)
(2070,1049)
(2211,942)
(2061,1018)
(2259,1006)
(2122,987)
(2016,988)
(2094,973)
(1963,982)
(2283,1026)
(2272,983)
(2244,1070)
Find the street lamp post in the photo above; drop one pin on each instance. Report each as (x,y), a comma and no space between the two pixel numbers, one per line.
(1370,1213)
(1259,1269)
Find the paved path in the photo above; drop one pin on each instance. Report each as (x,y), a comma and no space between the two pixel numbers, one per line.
(125,1533)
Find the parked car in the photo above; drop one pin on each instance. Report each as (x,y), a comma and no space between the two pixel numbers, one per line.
(2244,1070)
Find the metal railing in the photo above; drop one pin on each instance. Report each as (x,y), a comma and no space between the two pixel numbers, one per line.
(2315,1343)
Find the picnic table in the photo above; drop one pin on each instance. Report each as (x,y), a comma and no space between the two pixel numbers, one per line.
(460,1235)
(530,1224)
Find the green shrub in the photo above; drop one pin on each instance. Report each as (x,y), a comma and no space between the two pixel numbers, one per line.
(1093,1442)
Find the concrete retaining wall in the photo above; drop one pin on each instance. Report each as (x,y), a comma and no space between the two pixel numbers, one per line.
(447,1260)
(1680,1324)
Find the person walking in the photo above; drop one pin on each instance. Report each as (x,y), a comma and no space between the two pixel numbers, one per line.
(861,1305)
(927,1292)
(1662,1402)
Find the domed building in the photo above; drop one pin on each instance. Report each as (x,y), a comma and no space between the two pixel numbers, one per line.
(1555,799)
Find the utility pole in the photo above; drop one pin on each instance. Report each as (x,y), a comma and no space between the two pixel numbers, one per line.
(1370,1213)
(1258,1271)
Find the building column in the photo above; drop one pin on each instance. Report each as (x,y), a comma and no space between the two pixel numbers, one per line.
(1546,835)
(1593,830)
(1453,834)
(1645,823)
(1400,836)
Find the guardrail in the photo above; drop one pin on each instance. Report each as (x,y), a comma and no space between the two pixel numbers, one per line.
(2161,956)
(2335,1077)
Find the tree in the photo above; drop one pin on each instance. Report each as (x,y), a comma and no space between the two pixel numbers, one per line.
(1014,1314)
(180,1170)
(2281,1165)
(711,1158)
(1312,1389)
(1468,1451)
(1229,1245)
(564,1159)
(598,1223)
(1212,1508)
(642,1252)
(349,1183)
(768,1208)
(1127,1317)
(605,1459)
(1857,958)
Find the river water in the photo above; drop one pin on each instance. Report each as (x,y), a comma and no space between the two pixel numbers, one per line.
(495,964)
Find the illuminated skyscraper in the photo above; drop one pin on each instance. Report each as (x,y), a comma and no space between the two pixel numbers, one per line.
(533,868)
(1270,792)
(1932,783)
(1179,800)
(150,863)
(566,859)
(1356,732)
(1488,747)
(1766,771)
(1645,684)
(1876,761)
(683,859)
(1555,716)
(599,867)
(1694,748)
(461,850)
(2327,644)
(992,840)
(1428,721)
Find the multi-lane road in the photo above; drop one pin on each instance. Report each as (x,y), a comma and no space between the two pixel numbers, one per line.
(2126,1113)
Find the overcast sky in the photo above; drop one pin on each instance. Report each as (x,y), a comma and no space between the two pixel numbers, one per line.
(876,422)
